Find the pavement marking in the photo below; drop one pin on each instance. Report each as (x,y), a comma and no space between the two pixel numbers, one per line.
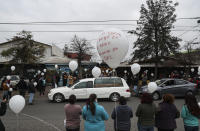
(45,122)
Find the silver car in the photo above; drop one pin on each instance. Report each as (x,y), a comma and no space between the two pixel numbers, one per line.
(177,87)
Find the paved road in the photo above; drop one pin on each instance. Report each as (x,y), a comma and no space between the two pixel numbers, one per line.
(48,116)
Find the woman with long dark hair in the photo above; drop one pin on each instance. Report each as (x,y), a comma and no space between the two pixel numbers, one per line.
(146,113)
(190,113)
(94,115)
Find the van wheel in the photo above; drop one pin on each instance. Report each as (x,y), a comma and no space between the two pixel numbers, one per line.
(156,96)
(114,97)
(58,97)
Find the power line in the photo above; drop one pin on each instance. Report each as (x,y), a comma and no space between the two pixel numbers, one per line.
(60,22)
(80,30)
(82,21)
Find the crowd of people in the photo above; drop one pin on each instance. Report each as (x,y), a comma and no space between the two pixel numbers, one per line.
(23,87)
(162,116)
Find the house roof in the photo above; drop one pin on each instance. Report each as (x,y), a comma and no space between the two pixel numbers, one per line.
(20,40)
(55,59)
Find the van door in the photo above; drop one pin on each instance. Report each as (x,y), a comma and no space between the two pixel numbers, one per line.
(80,90)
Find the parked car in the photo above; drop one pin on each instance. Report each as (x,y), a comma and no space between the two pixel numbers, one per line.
(14,79)
(104,87)
(177,87)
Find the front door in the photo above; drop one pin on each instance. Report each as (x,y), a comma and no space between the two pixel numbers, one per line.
(80,90)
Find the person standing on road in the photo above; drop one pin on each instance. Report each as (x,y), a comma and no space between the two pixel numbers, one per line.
(122,115)
(191,113)
(70,80)
(2,112)
(94,115)
(146,113)
(72,112)
(65,77)
(31,91)
(167,113)
(22,86)
(5,89)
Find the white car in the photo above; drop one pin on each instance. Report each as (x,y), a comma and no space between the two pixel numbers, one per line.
(103,87)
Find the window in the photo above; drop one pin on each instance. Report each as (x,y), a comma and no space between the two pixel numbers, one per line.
(108,82)
(169,82)
(90,84)
(81,85)
(181,82)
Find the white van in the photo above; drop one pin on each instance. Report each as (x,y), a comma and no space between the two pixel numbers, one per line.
(103,87)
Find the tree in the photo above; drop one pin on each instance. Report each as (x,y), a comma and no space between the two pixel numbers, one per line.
(190,55)
(25,51)
(82,47)
(154,31)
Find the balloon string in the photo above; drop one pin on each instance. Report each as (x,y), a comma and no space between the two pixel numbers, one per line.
(17,115)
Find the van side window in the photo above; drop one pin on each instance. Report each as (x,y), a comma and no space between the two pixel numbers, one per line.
(108,82)
(90,84)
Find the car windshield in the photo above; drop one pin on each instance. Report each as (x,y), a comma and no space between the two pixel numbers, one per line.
(158,82)
(73,83)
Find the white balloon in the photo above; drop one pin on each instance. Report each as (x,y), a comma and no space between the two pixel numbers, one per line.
(96,72)
(112,47)
(39,71)
(192,69)
(45,70)
(199,104)
(152,74)
(198,72)
(56,66)
(73,65)
(125,71)
(10,89)
(42,73)
(12,68)
(85,69)
(35,84)
(152,86)
(107,71)
(135,68)
(8,77)
(17,103)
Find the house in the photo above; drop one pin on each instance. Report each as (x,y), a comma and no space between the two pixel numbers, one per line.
(50,50)
(73,55)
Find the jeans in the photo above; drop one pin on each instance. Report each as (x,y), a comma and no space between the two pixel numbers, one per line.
(191,128)
(5,95)
(145,128)
(31,95)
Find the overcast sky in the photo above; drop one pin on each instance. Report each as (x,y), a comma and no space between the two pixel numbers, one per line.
(84,10)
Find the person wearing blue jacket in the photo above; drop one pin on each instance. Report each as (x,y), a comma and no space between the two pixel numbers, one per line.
(94,115)
(122,115)
(190,113)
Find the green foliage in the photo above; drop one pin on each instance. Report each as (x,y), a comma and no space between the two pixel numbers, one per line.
(25,50)
(154,30)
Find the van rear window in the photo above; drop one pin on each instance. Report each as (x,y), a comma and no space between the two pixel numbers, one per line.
(108,82)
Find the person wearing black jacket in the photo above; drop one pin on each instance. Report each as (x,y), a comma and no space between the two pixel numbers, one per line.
(2,112)
(31,91)
(165,117)
(122,115)
(22,86)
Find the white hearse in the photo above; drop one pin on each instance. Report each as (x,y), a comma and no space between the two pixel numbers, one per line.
(103,87)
